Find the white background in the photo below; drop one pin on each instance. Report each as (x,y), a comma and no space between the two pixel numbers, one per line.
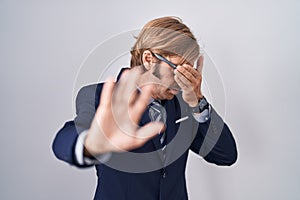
(254,44)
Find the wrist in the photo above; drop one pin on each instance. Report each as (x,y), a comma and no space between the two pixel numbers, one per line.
(196,103)
(200,106)
(93,146)
(200,96)
(193,105)
(90,158)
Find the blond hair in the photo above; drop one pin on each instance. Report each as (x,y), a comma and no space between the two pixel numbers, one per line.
(167,36)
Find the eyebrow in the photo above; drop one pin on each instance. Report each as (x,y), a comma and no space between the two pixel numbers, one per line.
(161,58)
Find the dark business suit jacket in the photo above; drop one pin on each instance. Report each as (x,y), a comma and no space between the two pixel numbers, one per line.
(149,176)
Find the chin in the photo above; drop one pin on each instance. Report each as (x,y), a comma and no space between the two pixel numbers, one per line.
(165,96)
(169,97)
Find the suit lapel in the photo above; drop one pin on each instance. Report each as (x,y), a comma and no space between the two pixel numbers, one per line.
(176,147)
(173,113)
(172,128)
(155,140)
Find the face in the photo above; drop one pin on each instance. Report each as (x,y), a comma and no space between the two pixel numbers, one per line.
(166,86)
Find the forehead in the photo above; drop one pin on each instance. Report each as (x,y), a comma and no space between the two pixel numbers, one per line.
(174,58)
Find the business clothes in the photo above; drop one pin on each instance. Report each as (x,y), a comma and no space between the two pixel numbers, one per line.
(145,173)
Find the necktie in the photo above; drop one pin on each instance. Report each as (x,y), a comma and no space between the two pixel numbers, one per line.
(158,113)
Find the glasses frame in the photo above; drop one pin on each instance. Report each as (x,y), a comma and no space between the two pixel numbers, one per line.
(161,58)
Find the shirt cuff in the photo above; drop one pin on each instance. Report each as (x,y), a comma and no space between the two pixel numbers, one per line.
(83,160)
(204,116)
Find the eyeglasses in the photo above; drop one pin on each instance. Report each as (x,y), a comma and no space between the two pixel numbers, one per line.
(161,58)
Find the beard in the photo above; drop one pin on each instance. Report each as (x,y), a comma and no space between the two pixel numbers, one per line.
(156,71)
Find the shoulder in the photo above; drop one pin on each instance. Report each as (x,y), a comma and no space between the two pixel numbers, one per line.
(89,91)
(92,92)
(92,89)
(88,94)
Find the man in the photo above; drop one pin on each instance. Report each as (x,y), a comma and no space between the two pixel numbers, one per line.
(137,132)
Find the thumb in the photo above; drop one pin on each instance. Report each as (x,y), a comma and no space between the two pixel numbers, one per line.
(150,130)
(200,64)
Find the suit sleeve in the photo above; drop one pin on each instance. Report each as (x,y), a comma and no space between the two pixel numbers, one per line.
(214,141)
(65,140)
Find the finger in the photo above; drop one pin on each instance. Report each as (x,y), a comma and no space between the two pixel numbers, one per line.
(179,72)
(132,89)
(200,64)
(192,71)
(183,79)
(107,91)
(150,130)
(197,77)
(141,102)
(185,71)
(133,98)
(180,83)
(126,87)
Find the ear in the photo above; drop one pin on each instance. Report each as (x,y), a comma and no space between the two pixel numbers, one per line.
(147,59)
